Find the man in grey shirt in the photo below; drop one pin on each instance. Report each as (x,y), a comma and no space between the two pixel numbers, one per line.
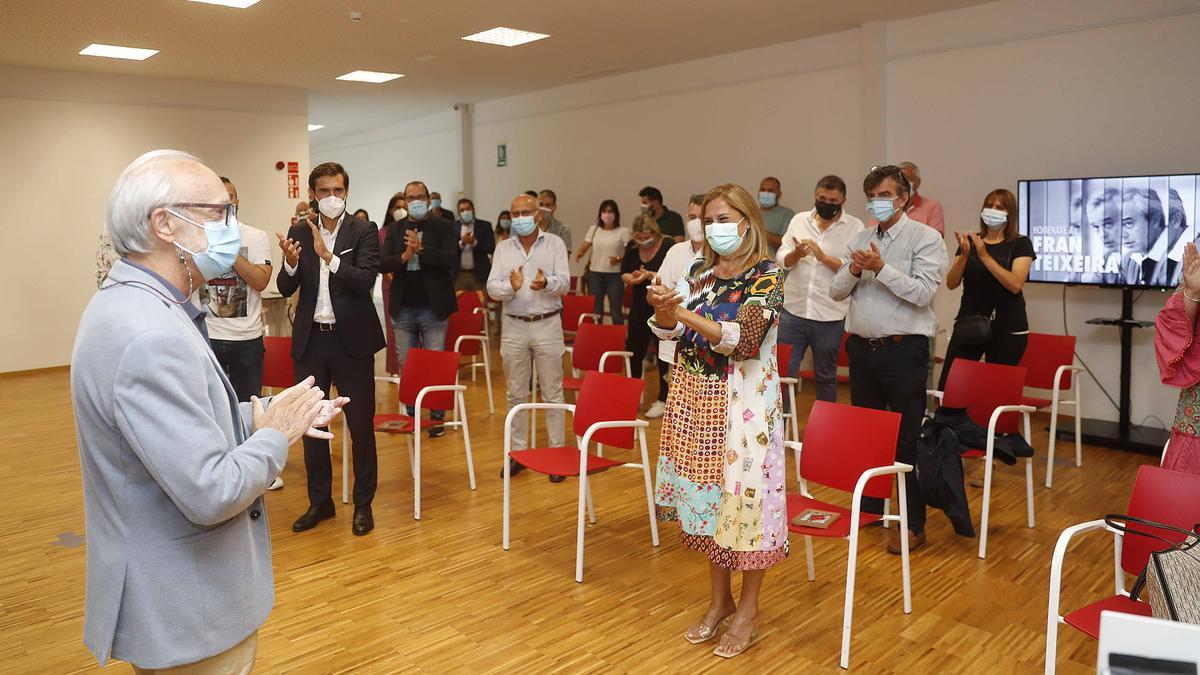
(890,277)
(547,203)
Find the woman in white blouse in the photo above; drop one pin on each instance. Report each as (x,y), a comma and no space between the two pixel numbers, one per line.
(606,241)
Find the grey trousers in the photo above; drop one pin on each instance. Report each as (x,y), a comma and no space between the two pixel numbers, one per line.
(522,345)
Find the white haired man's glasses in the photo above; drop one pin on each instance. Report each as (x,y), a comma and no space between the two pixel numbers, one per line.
(212,213)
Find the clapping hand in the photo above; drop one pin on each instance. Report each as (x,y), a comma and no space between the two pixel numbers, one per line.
(1191,270)
(980,247)
(319,246)
(517,278)
(964,243)
(638,276)
(539,281)
(812,247)
(329,410)
(291,250)
(866,260)
(664,300)
(292,412)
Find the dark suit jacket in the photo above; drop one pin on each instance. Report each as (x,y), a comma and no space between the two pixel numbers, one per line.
(485,245)
(438,259)
(350,288)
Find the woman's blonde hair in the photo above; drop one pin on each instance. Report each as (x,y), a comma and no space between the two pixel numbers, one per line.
(753,248)
(646,223)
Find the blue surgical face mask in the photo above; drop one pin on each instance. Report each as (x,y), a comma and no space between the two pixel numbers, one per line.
(467,216)
(881,208)
(418,210)
(994,218)
(723,237)
(766,199)
(435,204)
(523,226)
(224,244)
(505,223)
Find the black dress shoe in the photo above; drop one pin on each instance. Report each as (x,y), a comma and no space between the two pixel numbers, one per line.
(517,468)
(363,522)
(312,516)
(437,432)
(557,479)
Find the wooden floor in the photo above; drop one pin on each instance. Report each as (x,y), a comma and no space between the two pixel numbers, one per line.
(440,595)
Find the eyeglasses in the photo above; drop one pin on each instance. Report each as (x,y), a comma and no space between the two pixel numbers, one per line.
(228,212)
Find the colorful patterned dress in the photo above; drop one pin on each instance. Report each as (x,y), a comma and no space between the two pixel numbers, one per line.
(1178,355)
(720,462)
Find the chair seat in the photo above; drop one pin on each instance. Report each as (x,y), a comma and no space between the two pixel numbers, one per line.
(797,504)
(973,454)
(395,423)
(1036,401)
(1087,619)
(812,375)
(572,383)
(560,461)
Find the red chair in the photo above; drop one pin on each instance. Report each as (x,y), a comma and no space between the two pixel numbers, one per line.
(428,381)
(843,361)
(1050,361)
(597,347)
(278,371)
(852,450)
(783,356)
(470,302)
(576,311)
(574,285)
(626,299)
(1160,495)
(604,413)
(464,334)
(987,391)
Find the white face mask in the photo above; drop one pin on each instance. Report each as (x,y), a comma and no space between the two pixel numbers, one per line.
(695,231)
(332,206)
(399,214)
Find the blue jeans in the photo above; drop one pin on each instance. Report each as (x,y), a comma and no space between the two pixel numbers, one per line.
(601,284)
(418,327)
(825,339)
(242,361)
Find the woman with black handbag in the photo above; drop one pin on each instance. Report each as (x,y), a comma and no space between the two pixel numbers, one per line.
(992,265)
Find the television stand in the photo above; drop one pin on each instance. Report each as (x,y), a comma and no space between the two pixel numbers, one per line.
(1122,434)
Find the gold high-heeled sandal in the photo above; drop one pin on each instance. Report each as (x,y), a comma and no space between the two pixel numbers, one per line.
(706,632)
(729,655)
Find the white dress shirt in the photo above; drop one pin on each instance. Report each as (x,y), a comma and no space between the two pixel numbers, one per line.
(548,254)
(674,266)
(467,261)
(323,313)
(806,290)
(899,299)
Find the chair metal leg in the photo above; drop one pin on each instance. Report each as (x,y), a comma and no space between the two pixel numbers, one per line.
(649,489)
(487,378)
(591,508)
(346,464)
(906,578)
(887,506)
(848,610)
(808,558)
(579,529)
(987,499)
(417,469)
(1028,476)
(467,440)
(507,498)
(1078,435)
(1053,443)
(533,388)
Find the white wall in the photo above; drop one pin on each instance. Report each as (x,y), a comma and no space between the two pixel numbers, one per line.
(979,97)
(382,161)
(65,138)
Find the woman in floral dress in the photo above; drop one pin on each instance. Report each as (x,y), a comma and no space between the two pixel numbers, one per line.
(1178,354)
(720,465)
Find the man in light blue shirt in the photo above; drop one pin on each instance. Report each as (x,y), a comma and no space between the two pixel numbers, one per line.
(529,276)
(890,276)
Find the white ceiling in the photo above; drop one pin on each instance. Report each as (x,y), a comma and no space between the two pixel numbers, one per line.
(307,43)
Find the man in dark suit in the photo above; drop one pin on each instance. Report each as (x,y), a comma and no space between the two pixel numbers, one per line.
(421,254)
(336,333)
(476,243)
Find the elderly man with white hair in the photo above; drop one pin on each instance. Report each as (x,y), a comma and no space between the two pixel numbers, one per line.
(174,468)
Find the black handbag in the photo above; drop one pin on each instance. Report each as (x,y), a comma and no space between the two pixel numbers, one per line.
(1171,578)
(975,330)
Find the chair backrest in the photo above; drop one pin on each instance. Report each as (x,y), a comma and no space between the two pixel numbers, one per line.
(575,306)
(604,397)
(783,355)
(469,300)
(428,368)
(627,296)
(464,322)
(1044,354)
(592,341)
(842,441)
(843,357)
(1164,496)
(981,388)
(574,287)
(278,371)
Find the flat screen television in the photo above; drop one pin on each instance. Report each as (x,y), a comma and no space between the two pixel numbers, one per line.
(1126,231)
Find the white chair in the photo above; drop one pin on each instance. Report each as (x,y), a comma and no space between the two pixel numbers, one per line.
(1049,361)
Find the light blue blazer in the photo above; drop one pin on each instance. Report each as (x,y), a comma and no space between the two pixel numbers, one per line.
(178,549)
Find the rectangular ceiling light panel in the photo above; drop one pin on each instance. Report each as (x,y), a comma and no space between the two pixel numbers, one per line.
(115,52)
(369,76)
(505,37)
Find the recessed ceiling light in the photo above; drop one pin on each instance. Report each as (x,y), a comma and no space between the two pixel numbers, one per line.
(240,4)
(506,37)
(115,52)
(314,127)
(369,76)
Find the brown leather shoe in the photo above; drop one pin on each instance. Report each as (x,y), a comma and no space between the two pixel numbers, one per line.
(915,541)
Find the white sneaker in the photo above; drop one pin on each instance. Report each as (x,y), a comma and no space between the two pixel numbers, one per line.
(276,485)
(656,410)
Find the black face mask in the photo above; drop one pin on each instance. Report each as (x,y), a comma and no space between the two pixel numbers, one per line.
(828,211)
